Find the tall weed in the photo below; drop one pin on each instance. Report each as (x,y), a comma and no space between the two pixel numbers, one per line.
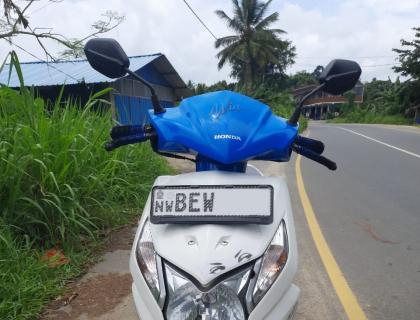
(57,180)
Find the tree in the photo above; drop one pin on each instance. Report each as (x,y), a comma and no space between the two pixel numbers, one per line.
(16,22)
(302,79)
(201,88)
(317,71)
(255,49)
(409,57)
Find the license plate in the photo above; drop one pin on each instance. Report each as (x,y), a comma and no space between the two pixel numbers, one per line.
(212,204)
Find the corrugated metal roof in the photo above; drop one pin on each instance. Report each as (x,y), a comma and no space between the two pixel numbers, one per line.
(65,72)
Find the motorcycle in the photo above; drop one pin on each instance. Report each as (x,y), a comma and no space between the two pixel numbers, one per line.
(218,243)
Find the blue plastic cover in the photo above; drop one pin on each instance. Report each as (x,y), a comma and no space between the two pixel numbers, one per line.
(226,127)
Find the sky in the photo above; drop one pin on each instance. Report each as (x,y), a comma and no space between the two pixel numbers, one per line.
(321,30)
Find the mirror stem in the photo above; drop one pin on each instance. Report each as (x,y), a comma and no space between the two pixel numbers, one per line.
(293,121)
(154,98)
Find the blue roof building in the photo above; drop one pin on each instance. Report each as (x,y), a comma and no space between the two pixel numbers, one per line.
(130,98)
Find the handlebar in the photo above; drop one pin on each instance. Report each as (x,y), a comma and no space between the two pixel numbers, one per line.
(124,135)
(310,154)
(124,131)
(312,144)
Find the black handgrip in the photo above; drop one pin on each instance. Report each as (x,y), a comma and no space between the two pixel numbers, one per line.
(123,141)
(125,131)
(312,144)
(315,157)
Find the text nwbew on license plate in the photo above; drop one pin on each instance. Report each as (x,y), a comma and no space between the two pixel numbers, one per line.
(212,204)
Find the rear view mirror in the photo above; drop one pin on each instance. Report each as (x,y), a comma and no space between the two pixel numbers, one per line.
(340,76)
(107,57)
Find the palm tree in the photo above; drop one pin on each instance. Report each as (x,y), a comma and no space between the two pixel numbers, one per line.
(255,47)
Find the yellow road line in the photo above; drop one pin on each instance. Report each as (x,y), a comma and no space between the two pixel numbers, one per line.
(344,292)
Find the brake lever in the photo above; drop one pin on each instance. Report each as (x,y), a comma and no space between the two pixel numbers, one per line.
(312,144)
(118,132)
(123,141)
(308,153)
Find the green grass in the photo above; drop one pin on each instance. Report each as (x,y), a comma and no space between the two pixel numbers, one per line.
(27,283)
(366,116)
(59,188)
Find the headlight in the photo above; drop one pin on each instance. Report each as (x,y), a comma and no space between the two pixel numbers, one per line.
(273,263)
(187,302)
(146,259)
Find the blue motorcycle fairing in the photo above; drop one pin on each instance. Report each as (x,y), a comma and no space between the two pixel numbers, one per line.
(226,127)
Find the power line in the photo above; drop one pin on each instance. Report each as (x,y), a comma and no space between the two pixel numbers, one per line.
(199,19)
(43,7)
(379,65)
(305,65)
(352,57)
(206,27)
(362,66)
(39,59)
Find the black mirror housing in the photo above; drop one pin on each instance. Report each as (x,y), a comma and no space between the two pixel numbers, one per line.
(340,76)
(107,57)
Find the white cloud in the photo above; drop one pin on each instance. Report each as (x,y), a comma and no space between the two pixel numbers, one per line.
(351,29)
(356,30)
(393,6)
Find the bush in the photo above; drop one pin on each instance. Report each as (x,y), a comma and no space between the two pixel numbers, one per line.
(360,115)
(57,180)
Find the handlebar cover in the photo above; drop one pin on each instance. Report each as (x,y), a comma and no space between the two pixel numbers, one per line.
(125,131)
(308,153)
(312,144)
(123,141)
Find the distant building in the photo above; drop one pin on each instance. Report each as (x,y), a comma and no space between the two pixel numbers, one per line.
(130,98)
(323,104)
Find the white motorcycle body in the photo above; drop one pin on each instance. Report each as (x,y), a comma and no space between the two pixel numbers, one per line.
(209,254)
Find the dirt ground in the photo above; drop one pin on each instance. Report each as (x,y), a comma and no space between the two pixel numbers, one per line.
(106,287)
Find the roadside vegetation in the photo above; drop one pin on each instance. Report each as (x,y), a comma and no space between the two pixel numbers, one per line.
(391,102)
(385,102)
(60,191)
(360,116)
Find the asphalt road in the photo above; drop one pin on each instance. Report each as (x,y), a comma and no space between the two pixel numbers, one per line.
(318,300)
(369,213)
